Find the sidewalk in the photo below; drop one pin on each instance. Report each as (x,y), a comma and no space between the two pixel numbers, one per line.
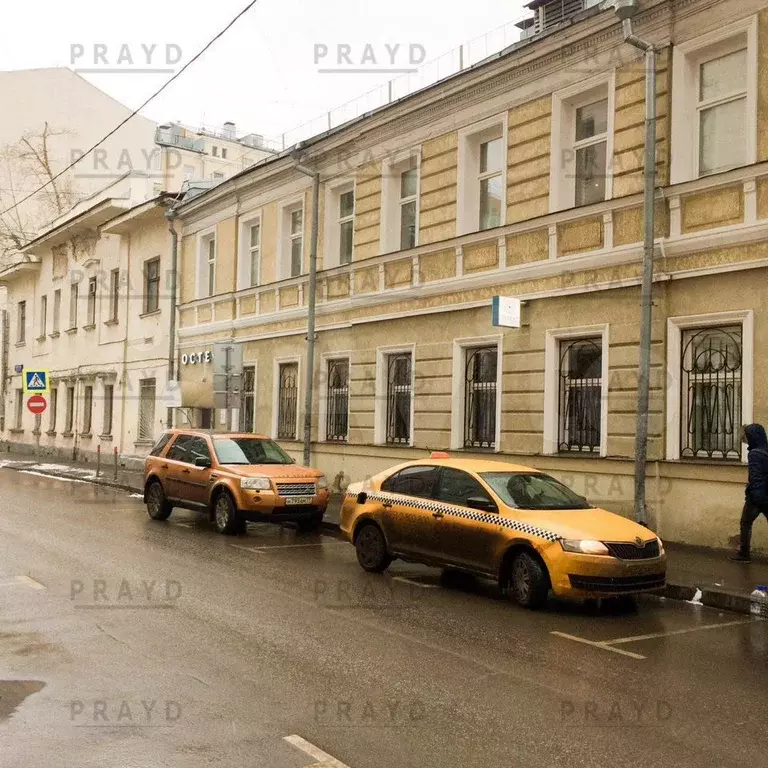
(696,574)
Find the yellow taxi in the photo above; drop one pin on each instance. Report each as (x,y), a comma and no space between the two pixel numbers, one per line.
(512,523)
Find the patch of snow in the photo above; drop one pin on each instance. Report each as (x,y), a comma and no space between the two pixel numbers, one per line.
(51,477)
(696,598)
(136,496)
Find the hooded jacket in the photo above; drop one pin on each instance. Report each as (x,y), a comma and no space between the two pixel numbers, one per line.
(757,483)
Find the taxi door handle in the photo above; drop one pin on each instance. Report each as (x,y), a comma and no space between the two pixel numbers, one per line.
(385,505)
(438,515)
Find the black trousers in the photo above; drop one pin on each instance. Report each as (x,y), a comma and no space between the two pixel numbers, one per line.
(749,514)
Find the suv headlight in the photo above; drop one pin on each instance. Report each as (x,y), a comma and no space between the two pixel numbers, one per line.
(661,546)
(322,481)
(585,546)
(255,484)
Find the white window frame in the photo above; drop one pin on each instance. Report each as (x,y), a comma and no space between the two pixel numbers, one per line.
(458,386)
(43,316)
(56,311)
(565,102)
(391,202)
(277,362)
(332,224)
(468,201)
(686,60)
(675,328)
(246,252)
(552,382)
(284,238)
(204,237)
(380,406)
(323,399)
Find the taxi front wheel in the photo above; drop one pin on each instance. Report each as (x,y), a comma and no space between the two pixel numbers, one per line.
(371,548)
(525,579)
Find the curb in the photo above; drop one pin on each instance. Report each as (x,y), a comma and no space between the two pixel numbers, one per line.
(90,480)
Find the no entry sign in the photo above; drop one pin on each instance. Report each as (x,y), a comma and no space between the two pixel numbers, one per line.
(37,404)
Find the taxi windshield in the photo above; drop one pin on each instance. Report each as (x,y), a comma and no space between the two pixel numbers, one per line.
(533,491)
(249,450)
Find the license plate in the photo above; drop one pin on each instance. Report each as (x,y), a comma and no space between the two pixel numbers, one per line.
(296,501)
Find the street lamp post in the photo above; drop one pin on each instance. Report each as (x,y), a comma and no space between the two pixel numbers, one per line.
(626,11)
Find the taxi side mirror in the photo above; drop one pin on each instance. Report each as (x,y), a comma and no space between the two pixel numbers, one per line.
(481,503)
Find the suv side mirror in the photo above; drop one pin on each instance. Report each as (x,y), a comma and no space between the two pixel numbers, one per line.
(481,503)
(202,462)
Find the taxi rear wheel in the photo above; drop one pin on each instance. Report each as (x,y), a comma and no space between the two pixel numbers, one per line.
(527,581)
(371,548)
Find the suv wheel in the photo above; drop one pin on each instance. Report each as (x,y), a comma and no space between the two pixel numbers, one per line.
(371,548)
(527,581)
(225,515)
(158,507)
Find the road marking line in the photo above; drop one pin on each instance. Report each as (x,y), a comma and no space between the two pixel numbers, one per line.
(246,549)
(287,546)
(30,582)
(637,638)
(406,580)
(595,644)
(315,752)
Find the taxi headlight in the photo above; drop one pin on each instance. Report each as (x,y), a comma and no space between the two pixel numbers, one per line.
(322,481)
(585,546)
(255,484)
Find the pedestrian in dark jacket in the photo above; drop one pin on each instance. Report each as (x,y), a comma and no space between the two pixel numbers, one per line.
(756,494)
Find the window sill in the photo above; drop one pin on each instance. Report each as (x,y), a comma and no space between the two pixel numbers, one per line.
(150,314)
(143,443)
(40,339)
(67,434)
(21,343)
(89,327)
(36,432)
(70,331)
(16,431)
(105,438)
(51,433)
(54,335)
(112,321)
(86,435)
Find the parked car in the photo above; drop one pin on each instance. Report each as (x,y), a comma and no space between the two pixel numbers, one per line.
(508,522)
(234,478)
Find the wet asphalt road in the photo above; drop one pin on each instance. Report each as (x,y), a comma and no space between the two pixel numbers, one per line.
(128,643)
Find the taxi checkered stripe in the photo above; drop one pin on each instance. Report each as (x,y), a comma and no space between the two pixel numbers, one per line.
(469,514)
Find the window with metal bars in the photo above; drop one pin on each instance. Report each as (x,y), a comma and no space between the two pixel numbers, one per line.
(109,398)
(248,410)
(580,395)
(399,396)
(711,393)
(337,416)
(146,409)
(287,400)
(480,394)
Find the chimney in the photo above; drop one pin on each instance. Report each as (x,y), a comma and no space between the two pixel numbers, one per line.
(229,130)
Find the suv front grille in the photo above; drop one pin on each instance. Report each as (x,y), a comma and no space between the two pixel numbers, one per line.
(627,551)
(295,489)
(618,583)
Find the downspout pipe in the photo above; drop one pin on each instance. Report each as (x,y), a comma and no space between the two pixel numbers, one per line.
(170,215)
(311,302)
(625,11)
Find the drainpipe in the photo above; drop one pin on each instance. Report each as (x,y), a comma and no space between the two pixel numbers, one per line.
(309,379)
(626,10)
(3,367)
(171,216)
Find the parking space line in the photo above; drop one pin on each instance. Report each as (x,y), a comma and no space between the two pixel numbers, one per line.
(310,749)
(286,546)
(638,638)
(30,582)
(604,646)
(406,580)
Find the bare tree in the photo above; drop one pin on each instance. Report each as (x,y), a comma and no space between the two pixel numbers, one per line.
(24,167)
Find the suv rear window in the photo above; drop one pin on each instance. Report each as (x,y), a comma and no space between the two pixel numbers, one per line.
(157,448)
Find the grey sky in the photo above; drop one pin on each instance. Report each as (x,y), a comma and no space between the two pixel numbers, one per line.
(262,74)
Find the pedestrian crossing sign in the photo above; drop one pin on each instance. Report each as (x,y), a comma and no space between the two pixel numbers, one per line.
(36,383)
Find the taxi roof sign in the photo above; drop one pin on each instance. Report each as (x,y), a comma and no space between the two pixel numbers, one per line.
(36,383)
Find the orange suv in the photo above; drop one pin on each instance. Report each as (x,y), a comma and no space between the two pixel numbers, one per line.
(234,478)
